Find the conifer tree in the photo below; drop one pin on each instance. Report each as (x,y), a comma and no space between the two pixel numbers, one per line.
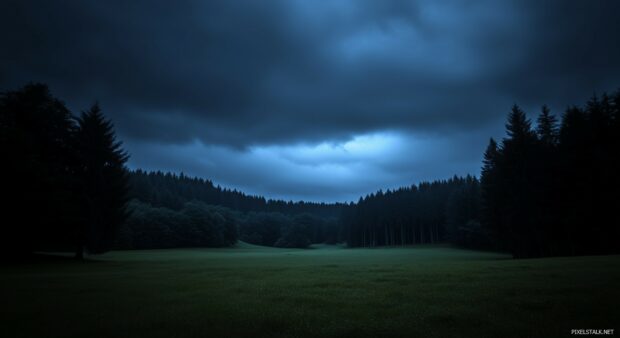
(36,173)
(491,194)
(547,128)
(103,178)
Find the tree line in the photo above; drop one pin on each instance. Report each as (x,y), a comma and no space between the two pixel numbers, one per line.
(553,190)
(161,201)
(546,190)
(173,191)
(68,189)
(64,178)
(430,212)
(197,224)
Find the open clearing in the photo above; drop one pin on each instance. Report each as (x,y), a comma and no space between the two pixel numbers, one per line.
(424,291)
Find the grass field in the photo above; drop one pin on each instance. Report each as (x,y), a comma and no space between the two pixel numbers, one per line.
(327,291)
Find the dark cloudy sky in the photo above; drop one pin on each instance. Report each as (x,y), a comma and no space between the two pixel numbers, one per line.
(314,100)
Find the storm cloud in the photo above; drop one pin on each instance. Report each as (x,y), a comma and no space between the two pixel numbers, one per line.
(311,100)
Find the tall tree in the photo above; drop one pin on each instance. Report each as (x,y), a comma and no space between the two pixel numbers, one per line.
(517,167)
(546,181)
(491,195)
(36,173)
(547,128)
(104,181)
(574,158)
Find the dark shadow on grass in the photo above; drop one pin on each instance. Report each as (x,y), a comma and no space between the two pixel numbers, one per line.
(46,258)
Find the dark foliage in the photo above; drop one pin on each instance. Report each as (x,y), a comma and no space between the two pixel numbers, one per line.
(263,228)
(427,213)
(544,191)
(173,191)
(103,181)
(259,221)
(39,204)
(64,178)
(554,191)
(195,225)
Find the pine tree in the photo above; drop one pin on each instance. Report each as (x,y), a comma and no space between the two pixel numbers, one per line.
(518,127)
(517,168)
(547,128)
(36,173)
(545,181)
(491,194)
(104,181)
(489,163)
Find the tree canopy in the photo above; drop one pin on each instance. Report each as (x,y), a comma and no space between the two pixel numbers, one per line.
(64,176)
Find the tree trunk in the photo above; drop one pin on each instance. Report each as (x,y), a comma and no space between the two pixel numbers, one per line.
(79,252)
(364,238)
(81,235)
(374,237)
(386,234)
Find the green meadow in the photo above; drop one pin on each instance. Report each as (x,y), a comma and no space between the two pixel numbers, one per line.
(326,291)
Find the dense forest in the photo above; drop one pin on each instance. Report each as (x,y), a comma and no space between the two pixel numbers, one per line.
(162,202)
(64,180)
(553,190)
(173,191)
(430,212)
(544,190)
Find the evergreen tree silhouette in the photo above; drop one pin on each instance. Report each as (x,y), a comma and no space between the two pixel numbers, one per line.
(547,127)
(491,195)
(103,179)
(517,168)
(38,163)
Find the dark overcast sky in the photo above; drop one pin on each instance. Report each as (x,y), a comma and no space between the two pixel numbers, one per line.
(314,100)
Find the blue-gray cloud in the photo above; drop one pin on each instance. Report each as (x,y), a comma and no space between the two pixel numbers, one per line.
(245,92)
